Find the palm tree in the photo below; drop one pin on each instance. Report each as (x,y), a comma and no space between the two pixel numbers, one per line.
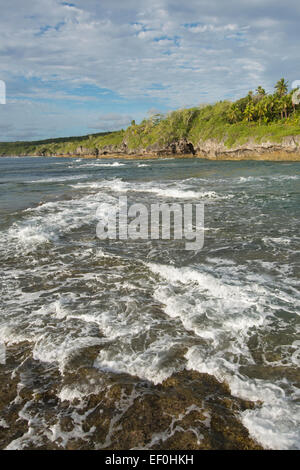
(287,105)
(260,91)
(281,87)
(270,107)
(261,109)
(280,106)
(234,114)
(250,95)
(249,111)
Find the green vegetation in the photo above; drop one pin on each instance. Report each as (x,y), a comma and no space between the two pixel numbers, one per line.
(258,116)
(262,107)
(62,146)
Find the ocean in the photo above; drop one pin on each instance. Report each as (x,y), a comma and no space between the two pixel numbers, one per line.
(81,316)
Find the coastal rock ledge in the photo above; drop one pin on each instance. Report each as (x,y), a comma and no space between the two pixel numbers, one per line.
(213,149)
(87,408)
(289,147)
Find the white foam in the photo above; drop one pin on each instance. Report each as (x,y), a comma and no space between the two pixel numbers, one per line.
(39,429)
(174,426)
(48,221)
(103,165)
(271,241)
(265,179)
(275,424)
(58,179)
(78,392)
(3,424)
(222,315)
(59,352)
(173,191)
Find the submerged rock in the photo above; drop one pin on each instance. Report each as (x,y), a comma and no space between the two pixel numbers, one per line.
(86,408)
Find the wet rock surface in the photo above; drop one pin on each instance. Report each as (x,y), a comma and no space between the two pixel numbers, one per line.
(180,147)
(86,408)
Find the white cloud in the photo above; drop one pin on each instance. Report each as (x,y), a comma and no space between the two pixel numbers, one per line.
(212,28)
(111,121)
(197,51)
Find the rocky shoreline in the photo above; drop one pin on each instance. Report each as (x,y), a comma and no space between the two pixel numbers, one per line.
(86,408)
(286,150)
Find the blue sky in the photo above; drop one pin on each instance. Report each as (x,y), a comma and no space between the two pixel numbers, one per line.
(85,66)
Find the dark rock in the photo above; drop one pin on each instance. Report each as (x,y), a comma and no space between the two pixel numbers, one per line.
(182,147)
(188,410)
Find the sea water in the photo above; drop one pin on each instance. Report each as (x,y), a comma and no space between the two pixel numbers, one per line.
(230,309)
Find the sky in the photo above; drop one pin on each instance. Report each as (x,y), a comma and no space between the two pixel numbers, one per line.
(87,66)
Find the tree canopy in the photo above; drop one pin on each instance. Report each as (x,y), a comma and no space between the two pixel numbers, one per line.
(263,107)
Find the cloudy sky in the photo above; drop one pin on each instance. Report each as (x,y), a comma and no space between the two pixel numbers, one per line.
(93,65)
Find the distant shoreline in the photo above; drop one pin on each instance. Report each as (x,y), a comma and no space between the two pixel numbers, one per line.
(275,156)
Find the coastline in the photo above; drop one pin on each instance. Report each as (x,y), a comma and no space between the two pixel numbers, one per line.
(286,150)
(276,156)
(264,148)
(273,157)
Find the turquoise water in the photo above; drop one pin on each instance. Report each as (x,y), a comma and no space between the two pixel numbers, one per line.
(230,309)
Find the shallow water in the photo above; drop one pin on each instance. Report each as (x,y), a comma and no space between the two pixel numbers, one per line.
(151,307)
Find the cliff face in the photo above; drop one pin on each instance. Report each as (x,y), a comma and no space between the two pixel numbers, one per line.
(180,147)
(288,149)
